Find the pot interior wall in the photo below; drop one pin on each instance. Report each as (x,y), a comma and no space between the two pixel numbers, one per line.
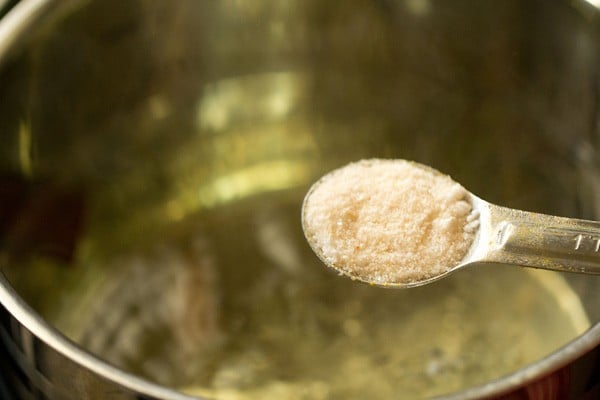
(155,156)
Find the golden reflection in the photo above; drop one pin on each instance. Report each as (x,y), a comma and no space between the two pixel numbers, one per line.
(595,3)
(566,300)
(265,177)
(419,7)
(264,97)
(25,149)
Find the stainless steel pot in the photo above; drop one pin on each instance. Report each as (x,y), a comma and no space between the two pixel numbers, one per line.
(120,122)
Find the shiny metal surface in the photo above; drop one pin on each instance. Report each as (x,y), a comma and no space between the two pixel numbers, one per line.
(40,363)
(137,115)
(509,236)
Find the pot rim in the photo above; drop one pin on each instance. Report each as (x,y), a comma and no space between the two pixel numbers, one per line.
(14,27)
(53,338)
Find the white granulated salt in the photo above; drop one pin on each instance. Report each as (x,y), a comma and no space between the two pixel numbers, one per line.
(388,221)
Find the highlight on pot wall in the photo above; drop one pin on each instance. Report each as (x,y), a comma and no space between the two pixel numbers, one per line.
(153,161)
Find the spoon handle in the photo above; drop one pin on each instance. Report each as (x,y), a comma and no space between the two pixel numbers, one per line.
(540,241)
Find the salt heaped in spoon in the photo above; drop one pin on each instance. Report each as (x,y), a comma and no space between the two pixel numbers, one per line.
(389,221)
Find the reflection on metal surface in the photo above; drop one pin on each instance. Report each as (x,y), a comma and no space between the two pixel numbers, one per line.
(258,137)
(595,3)
(265,97)
(261,178)
(25,149)
(178,306)
(419,7)
(566,300)
(245,182)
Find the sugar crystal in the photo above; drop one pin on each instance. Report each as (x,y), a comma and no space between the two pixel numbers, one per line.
(389,221)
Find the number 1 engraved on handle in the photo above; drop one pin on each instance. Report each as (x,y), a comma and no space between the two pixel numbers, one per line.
(581,240)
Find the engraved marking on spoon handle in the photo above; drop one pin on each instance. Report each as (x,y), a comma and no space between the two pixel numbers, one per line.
(544,241)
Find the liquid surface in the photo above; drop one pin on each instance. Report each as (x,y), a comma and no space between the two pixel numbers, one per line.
(234,305)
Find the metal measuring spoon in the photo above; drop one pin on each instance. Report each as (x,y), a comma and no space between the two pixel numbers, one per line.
(507,236)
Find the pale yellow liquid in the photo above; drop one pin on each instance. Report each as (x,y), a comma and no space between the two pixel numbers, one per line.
(233,305)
